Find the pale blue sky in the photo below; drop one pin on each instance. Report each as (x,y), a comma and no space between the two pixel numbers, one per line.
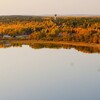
(44,7)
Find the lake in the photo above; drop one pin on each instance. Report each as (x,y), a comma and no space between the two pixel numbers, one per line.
(49,73)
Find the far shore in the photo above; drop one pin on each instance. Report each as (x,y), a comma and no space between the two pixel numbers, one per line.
(54,42)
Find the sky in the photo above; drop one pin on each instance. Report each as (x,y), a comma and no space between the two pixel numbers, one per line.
(49,7)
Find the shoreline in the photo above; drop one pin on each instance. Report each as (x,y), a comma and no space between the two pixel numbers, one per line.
(56,42)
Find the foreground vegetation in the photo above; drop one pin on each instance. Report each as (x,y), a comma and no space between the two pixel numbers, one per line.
(74,29)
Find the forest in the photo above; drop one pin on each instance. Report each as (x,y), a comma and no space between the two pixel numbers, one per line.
(64,28)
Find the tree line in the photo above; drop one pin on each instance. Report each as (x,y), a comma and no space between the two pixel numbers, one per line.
(75,29)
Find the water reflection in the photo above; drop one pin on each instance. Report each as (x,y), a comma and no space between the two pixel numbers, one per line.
(48,74)
(85,49)
(99,69)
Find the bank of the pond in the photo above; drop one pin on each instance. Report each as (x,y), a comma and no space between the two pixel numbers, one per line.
(56,42)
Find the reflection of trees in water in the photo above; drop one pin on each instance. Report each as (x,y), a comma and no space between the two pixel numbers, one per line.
(39,46)
(85,49)
(55,46)
(88,49)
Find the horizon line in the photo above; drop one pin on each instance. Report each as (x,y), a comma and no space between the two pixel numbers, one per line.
(51,15)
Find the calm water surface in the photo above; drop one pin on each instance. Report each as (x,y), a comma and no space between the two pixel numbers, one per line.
(48,74)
